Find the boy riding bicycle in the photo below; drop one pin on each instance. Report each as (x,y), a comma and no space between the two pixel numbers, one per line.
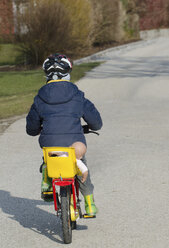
(56,115)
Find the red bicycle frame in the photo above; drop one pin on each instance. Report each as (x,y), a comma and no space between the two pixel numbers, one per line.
(65,182)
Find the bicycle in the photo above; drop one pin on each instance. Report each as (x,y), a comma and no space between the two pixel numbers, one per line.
(62,168)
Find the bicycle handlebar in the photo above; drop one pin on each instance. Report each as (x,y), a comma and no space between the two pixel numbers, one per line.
(86,130)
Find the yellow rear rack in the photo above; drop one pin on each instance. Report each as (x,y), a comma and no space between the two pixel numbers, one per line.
(61,162)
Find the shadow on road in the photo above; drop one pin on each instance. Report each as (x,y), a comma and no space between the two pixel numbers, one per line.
(29,215)
(134,67)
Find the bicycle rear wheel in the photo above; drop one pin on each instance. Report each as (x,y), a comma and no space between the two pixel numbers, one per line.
(65,193)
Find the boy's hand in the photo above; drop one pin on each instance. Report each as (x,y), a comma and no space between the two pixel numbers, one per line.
(85,128)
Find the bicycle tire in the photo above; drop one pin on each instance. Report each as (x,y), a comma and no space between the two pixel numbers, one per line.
(65,214)
(73,225)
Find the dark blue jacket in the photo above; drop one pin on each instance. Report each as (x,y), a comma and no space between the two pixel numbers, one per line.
(56,114)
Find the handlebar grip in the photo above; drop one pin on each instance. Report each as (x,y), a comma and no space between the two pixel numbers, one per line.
(86,129)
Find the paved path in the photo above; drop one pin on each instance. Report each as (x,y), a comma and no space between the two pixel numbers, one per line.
(129,161)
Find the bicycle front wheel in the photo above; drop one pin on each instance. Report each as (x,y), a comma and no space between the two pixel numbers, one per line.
(65,193)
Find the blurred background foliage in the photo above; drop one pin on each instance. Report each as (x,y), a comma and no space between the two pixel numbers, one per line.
(73,27)
(78,27)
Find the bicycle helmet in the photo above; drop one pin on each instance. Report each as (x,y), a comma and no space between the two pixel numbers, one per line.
(57,66)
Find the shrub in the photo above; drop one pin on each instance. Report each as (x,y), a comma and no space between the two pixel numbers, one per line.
(72,27)
(106,17)
(81,17)
(47,26)
(43,28)
(153,14)
(115,20)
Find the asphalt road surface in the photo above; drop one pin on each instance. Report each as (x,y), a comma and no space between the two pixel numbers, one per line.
(129,161)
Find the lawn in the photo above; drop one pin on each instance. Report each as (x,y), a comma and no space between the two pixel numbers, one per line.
(18,88)
(8,54)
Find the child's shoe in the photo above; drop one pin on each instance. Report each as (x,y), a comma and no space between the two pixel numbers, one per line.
(90,207)
(47,196)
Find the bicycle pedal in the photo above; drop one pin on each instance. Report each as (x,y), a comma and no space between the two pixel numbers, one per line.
(47,193)
(47,196)
(86,216)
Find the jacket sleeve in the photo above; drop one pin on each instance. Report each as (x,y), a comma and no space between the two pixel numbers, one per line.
(33,122)
(91,116)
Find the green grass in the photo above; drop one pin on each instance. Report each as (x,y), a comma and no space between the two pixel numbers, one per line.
(8,54)
(17,89)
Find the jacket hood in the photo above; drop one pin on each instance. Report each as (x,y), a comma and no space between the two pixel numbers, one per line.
(57,91)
